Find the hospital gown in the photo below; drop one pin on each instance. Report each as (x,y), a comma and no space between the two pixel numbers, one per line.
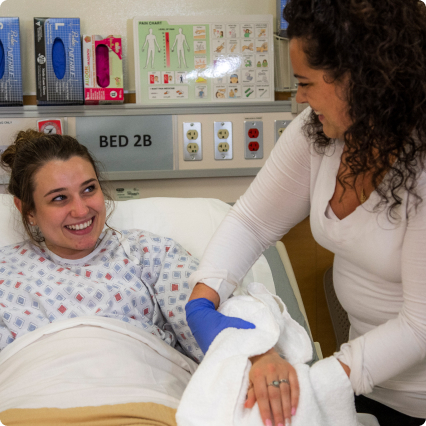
(132,275)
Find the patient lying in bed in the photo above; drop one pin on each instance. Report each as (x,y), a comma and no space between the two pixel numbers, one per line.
(133,276)
(77,298)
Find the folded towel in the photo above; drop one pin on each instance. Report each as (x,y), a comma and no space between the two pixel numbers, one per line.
(217,392)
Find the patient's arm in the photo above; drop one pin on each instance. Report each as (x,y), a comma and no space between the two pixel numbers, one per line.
(346,368)
(206,322)
(204,291)
(275,404)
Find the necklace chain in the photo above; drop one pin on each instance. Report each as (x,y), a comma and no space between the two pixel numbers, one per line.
(362,198)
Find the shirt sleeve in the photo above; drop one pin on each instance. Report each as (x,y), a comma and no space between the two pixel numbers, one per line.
(166,268)
(277,200)
(400,343)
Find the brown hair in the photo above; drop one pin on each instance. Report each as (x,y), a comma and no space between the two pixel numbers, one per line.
(382,46)
(30,151)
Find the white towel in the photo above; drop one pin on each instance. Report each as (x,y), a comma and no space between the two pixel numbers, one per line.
(217,392)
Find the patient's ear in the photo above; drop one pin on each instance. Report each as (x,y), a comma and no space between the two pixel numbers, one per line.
(18,203)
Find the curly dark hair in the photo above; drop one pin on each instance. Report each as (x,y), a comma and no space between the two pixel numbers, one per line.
(381,45)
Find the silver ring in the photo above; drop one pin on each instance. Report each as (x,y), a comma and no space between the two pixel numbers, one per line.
(285,381)
(275,383)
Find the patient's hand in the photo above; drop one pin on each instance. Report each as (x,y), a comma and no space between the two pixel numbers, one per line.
(206,323)
(274,403)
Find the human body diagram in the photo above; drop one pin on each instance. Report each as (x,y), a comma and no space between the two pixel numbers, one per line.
(151,40)
(181,41)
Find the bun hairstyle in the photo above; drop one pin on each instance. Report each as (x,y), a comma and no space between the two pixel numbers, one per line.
(30,151)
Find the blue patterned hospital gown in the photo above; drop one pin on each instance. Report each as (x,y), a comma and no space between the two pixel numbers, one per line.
(136,277)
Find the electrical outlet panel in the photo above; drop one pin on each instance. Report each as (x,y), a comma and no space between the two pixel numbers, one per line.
(280,126)
(247,146)
(253,140)
(222,140)
(192,147)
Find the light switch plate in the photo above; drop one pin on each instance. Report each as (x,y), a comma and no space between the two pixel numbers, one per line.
(280,126)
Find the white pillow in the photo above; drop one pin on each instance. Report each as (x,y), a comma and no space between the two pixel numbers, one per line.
(11,228)
(189,221)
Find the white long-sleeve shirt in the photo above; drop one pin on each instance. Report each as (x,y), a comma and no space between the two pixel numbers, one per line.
(379,267)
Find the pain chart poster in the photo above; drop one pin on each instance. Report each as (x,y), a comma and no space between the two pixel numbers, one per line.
(204,59)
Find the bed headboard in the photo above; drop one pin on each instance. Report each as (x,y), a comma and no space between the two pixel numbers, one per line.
(189,221)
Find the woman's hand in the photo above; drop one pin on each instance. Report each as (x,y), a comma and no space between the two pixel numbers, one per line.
(277,403)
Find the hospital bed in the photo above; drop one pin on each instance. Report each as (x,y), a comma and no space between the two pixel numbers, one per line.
(191,222)
(79,353)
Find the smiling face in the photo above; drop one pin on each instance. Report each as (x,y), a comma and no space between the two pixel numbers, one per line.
(326,99)
(69,207)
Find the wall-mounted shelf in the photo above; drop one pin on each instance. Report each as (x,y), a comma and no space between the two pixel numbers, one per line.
(162,124)
(31,111)
(170,174)
(181,174)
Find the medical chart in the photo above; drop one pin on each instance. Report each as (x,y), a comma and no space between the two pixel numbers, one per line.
(204,59)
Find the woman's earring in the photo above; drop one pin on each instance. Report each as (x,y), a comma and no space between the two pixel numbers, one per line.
(31,223)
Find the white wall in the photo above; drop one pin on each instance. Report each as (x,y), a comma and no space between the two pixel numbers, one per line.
(105,17)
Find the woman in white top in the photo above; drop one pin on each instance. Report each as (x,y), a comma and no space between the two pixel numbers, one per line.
(355,162)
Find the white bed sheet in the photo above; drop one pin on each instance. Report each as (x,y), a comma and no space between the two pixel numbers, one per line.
(85,361)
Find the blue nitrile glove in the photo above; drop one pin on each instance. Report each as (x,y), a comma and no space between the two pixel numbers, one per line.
(59,58)
(206,323)
(2,61)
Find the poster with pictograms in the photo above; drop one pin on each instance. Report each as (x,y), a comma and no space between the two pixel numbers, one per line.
(207,59)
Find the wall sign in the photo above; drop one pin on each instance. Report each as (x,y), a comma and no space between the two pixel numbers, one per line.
(122,194)
(131,143)
(204,59)
(50,126)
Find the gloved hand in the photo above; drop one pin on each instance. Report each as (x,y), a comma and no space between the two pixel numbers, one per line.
(206,323)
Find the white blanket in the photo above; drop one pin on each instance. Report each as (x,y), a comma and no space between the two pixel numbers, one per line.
(216,393)
(91,361)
